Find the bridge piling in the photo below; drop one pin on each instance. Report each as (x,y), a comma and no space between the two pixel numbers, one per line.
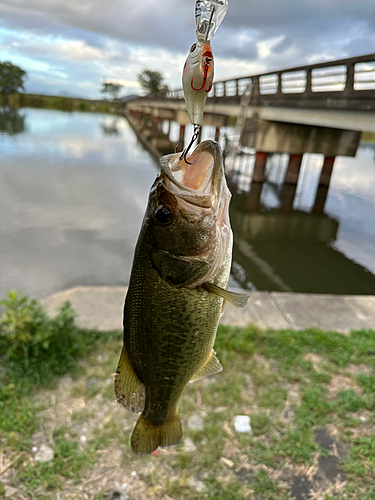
(293,170)
(259,166)
(181,139)
(253,199)
(287,197)
(217,134)
(326,173)
(320,200)
(169,129)
(155,127)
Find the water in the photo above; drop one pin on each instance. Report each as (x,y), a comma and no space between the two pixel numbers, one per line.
(74,186)
(306,239)
(73,189)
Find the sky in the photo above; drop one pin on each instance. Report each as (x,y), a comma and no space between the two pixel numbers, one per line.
(69,47)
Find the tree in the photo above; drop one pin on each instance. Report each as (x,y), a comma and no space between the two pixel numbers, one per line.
(12,78)
(111,88)
(152,82)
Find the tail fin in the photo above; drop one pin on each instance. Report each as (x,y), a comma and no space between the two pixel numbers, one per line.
(147,437)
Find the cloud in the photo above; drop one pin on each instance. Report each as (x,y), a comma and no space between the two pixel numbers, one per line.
(117,38)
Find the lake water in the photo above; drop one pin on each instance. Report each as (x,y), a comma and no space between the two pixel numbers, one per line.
(74,186)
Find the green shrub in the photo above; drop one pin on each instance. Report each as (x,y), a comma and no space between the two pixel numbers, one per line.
(36,347)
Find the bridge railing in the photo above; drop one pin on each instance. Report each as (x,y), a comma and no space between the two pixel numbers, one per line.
(353,75)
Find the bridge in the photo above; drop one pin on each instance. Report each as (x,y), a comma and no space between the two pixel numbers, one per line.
(344,84)
(318,108)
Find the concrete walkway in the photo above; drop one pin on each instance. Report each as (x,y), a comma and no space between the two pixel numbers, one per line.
(101,308)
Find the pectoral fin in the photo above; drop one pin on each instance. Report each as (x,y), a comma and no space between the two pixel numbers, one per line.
(211,366)
(237,299)
(130,391)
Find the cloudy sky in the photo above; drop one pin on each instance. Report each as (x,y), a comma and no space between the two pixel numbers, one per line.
(69,46)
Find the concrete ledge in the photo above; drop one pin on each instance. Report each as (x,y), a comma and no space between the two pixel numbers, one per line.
(341,313)
(101,308)
(97,307)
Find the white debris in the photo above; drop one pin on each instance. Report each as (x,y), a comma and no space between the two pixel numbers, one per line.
(189,445)
(196,484)
(195,423)
(44,454)
(9,491)
(83,439)
(242,423)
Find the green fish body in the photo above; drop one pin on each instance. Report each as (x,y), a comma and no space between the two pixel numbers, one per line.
(175,298)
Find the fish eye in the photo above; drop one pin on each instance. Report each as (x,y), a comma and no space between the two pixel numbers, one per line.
(163,214)
(193,47)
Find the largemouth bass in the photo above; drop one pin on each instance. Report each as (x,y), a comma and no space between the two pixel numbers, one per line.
(176,292)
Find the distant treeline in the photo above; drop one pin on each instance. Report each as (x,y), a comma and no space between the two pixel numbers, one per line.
(57,102)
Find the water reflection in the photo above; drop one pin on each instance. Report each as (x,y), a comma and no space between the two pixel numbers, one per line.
(72,199)
(111,126)
(11,121)
(290,238)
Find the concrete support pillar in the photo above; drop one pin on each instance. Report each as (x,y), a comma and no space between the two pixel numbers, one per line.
(323,187)
(155,127)
(320,200)
(253,200)
(169,128)
(294,168)
(259,166)
(325,175)
(217,134)
(181,138)
(287,197)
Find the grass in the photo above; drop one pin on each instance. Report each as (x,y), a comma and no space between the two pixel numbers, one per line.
(68,463)
(284,380)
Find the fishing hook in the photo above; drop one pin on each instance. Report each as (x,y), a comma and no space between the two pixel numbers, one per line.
(207,61)
(186,150)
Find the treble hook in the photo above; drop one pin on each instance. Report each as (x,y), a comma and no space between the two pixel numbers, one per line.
(207,62)
(186,150)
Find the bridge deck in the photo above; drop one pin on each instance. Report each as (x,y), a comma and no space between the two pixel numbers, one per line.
(362,121)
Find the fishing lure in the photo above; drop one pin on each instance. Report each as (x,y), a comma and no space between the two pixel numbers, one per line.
(198,72)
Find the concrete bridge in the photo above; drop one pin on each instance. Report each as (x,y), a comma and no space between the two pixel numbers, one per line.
(320,108)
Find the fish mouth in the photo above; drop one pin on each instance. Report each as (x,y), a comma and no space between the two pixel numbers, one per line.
(197,182)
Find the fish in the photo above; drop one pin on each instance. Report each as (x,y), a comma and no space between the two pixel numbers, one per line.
(176,293)
(197,79)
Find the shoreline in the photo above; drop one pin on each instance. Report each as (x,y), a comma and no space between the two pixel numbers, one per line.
(100,307)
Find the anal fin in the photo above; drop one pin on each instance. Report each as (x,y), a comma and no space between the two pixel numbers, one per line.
(236,299)
(129,390)
(212,365)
